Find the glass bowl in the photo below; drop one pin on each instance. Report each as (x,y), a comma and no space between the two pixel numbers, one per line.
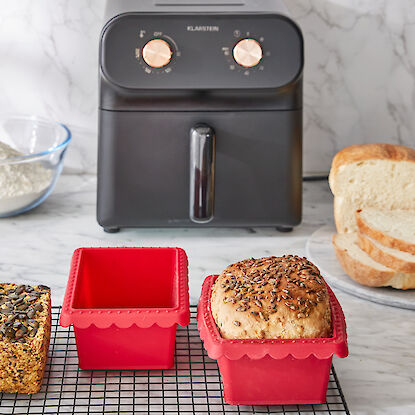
(32,150)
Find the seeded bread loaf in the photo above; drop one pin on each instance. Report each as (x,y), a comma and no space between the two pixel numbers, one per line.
(371,175)
(364,269)
(271,298)
(25,321)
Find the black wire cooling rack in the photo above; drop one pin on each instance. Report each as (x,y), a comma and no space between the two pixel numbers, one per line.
(193,386)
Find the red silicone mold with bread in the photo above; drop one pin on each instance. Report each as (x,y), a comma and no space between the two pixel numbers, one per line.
(272,371)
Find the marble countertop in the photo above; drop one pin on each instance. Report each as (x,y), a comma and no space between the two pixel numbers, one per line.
(378,377)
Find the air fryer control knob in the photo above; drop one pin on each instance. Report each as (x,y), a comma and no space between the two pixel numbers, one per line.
(247,53)
(157,53)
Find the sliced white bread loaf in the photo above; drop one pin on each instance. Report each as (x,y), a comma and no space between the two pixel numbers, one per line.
(392,258)
(365,270)
(371,175)
(394,229)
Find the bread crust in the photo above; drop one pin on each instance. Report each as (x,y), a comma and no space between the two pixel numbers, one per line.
(366,275)
(274,297)
(363,152)
(381,237)
(383,257)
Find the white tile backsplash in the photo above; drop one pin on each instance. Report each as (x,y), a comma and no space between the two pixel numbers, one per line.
(359,72)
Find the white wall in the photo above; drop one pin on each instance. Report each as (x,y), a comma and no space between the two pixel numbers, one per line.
(359,74)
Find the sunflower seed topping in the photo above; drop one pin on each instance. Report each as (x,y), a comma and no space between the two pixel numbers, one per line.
(19,307)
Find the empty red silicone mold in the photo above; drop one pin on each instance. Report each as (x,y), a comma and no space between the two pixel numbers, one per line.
(267,371)
(125,304)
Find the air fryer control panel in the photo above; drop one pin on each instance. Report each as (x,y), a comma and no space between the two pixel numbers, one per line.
(190,51)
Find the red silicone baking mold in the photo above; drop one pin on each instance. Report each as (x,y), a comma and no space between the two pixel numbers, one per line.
(268,371)
(125,304)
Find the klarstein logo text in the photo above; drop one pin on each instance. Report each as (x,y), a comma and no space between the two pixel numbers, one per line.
(203,28)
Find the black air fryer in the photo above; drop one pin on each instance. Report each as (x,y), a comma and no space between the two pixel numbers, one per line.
(200,119)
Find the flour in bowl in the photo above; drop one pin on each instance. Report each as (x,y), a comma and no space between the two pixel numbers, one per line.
(20,184)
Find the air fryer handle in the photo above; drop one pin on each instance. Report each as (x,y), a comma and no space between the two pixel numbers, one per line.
(202,173)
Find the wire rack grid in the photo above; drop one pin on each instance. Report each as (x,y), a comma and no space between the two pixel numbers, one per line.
(193,386)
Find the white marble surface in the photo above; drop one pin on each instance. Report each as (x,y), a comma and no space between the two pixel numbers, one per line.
(359,71)
(377,377)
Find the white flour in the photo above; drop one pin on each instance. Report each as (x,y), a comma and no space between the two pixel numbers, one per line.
(22,183)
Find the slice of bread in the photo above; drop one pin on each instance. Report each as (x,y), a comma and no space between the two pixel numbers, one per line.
(394,229)
(392,258)
(365,270)
(371,175)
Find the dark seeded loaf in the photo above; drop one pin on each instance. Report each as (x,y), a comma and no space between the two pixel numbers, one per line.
(25,321)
